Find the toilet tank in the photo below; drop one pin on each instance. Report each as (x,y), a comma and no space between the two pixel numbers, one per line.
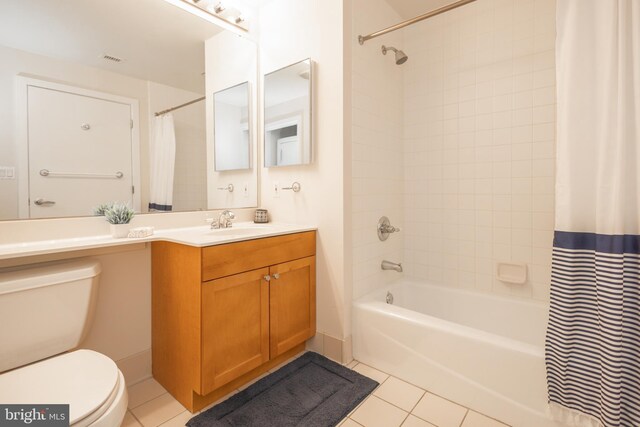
(45,309)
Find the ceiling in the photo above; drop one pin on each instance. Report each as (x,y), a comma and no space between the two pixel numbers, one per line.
(408,9)
(158,41)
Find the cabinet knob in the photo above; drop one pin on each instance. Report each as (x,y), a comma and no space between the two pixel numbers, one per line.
(276,276)
(267,278)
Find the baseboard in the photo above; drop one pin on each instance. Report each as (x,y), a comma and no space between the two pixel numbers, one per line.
(333,348)
(136,368)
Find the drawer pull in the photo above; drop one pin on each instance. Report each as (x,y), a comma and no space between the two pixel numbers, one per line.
(276,276)
(267,278)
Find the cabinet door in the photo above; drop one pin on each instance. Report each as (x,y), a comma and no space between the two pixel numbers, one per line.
(235,327)
(292,304)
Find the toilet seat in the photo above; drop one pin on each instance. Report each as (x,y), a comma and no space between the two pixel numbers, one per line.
(88,381)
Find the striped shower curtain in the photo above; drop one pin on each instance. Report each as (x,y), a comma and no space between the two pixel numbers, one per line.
(593,336)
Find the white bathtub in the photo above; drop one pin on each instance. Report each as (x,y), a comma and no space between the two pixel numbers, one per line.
(483,351)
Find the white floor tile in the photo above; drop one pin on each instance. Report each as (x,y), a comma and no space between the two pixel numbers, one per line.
(129,421)
(439,411)
(475,419)
(376,412)
(348,422)
(402,394)
(144,391)
(352,364)
(158,410)
(413,421)
(370,372)
(179,421)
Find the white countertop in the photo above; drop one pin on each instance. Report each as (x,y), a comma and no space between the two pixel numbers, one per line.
(200,236)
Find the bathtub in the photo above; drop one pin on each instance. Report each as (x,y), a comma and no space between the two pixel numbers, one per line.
(482,351)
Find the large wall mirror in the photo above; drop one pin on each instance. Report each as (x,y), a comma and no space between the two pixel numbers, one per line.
(105,101)
(287,115)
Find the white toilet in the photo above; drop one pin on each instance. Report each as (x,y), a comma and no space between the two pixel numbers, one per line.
(45,311)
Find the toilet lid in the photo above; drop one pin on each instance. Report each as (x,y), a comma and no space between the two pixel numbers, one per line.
(84,379)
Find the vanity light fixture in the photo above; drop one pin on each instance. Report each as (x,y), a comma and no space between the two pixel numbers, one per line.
(198,8)
(219,8)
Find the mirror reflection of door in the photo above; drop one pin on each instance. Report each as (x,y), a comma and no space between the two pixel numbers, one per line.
(80,152)
(287,115)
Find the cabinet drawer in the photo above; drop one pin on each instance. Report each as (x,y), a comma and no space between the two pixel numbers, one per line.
(225,260)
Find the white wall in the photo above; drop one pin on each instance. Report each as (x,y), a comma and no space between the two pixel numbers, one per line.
(14,62)
(479,136)
(377,157)
(190,178)
(122,325)
(290,31)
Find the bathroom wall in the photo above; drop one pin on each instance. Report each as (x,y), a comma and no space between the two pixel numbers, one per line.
(479,132)
(190,182)
(377,145)
(16,62)
(290,31)
(122,325)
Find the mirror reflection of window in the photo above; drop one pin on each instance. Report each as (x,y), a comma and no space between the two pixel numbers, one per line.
(231,128)
(287,115)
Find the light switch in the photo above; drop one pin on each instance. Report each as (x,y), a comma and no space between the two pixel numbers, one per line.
(7,172)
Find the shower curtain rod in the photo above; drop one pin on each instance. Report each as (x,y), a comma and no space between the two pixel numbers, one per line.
(443,9)
(168,110)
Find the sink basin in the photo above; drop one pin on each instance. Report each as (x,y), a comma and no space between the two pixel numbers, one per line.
(239,231)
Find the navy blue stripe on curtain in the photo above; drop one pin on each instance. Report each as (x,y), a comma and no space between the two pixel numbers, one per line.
(158,207)
(593,337)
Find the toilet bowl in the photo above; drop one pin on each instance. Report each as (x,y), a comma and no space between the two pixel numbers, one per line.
(49,308)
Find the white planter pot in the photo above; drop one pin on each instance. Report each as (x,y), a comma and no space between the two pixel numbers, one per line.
(119,230)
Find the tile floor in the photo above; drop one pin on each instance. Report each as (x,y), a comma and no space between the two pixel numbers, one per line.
(394,403)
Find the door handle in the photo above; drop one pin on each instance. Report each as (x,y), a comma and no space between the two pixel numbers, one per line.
(267,278)
(43,202)
(276,276)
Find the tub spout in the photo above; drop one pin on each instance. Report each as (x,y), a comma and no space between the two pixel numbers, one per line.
(388,265)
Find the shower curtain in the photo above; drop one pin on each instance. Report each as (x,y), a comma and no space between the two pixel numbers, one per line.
(163,159)
(593,336)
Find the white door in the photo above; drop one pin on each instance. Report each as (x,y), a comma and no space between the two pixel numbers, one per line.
(288,151)
(80,153)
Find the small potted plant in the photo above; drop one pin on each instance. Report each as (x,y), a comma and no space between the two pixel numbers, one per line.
(119,215)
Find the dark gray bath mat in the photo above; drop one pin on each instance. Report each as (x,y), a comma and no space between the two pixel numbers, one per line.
(311,391)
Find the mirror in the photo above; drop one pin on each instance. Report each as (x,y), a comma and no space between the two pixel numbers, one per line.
(231,127)
(287,115)
(110,101)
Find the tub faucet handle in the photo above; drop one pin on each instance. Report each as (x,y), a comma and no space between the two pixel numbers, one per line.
(385,228)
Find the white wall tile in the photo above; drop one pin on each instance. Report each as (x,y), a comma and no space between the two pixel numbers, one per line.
(487,128)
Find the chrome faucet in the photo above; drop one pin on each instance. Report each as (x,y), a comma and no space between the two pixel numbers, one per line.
(388,265)
(224,220)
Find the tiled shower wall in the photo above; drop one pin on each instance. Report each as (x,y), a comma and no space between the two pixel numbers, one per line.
(377,182)
(479,145)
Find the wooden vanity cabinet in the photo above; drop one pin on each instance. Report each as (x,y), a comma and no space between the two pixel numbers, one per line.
(224,314)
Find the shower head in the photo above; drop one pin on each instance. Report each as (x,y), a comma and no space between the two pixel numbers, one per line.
(401,57)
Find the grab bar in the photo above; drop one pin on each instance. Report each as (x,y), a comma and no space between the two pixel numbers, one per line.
(46,172)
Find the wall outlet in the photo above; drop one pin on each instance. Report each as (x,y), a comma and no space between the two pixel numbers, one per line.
(7,172)
(276,190)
